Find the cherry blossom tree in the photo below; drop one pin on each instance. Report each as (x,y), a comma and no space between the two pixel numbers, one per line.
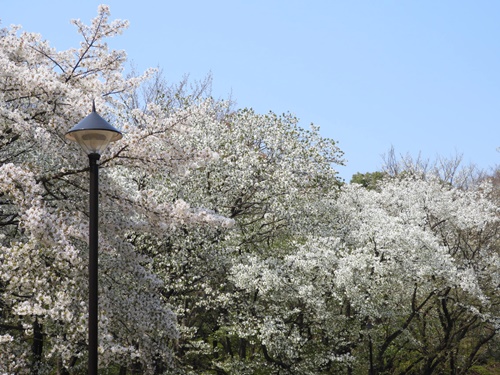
(406,281)
(419,266)
(265,174)
(43,211)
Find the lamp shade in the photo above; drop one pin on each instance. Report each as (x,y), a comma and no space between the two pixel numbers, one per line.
(93,133)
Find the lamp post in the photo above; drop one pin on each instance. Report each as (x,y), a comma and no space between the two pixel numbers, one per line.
(93,134)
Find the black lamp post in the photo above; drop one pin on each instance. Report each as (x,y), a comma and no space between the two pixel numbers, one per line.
(93,134)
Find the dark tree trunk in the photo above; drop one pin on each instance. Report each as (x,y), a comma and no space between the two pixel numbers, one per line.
(37,347)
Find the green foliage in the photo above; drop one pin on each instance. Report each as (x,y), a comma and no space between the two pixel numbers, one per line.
(489,369)
(368,180)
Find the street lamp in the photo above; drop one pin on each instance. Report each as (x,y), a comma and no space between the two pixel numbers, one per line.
(93,134)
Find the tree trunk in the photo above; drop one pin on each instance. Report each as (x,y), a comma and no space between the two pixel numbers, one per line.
(37,347)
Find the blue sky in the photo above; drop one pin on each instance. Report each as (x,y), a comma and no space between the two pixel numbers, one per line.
(421,76)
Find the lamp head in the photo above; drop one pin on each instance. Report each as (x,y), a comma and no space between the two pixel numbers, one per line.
(93,133)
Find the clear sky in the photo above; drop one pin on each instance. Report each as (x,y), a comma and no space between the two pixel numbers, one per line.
(421,76)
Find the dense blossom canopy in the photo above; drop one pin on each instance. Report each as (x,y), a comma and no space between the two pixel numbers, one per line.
(43,222)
